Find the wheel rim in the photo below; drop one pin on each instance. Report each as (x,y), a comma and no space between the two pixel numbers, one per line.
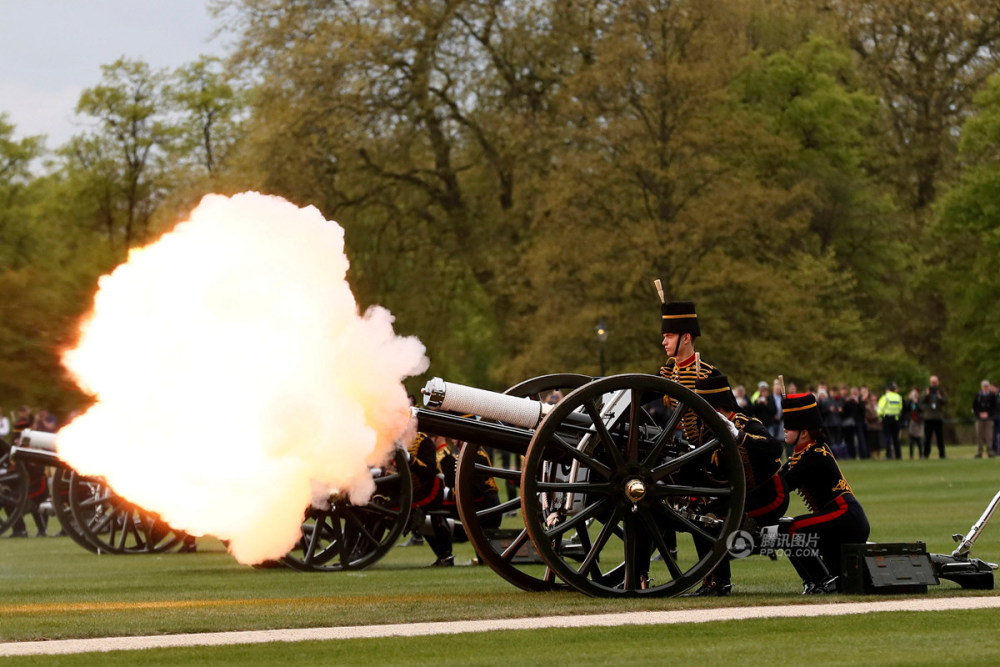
(113,525)
(13,491)
(59,489)
(353,537)
(619,489)
(504,560)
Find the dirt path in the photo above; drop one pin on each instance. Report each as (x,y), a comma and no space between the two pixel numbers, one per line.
(63,646)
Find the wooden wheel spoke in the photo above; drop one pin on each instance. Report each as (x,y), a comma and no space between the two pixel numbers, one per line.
(385,479)
(661,545)
(691,526)
(314,538)
(581,456)
(383,510)
(665,436)
(500,473)
(706,450)
(631,582)
(515,545)
(600,488)
(502,508)
(634,410)
(354,521)
(581,517)
(665,490)
(607,530)
(603,435)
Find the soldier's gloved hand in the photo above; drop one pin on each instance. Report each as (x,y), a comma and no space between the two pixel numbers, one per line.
(730,425)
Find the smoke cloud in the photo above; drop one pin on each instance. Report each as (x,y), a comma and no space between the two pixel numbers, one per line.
(235,379)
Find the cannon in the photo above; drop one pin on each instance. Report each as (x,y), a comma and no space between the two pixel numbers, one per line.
(613,499)
(89,511)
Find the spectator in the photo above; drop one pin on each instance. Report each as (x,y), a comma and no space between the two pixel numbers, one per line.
(776,392)
(873,426)
(996,422)
(45,421)
(932,404)
(890,407)
(830,406)
(849,413)
(4,425)
(742,402)
(983,407)
(763,408)
(914,422)
(863,447)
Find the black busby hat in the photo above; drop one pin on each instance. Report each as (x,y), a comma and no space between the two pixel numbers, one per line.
(716,391)
(800,412)
(680,317)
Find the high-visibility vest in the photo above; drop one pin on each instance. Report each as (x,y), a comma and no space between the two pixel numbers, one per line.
(890,405)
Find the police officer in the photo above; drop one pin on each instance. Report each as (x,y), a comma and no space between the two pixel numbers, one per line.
(835,516)
(766,497)
(890,407)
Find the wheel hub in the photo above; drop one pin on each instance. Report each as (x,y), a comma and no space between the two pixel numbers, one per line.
(635,490)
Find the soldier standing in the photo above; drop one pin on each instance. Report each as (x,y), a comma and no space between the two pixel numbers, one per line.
(679,326)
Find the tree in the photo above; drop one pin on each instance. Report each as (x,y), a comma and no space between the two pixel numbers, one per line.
(968,228)
(122,158)
(926,59)
(413,124)
(211,110)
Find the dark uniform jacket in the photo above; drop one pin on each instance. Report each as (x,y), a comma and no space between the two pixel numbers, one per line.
(424,469)
(685,373)
(814,473)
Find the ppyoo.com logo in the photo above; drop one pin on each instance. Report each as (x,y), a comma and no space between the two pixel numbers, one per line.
(740,544)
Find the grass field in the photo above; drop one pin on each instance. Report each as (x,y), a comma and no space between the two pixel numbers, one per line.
(51,588)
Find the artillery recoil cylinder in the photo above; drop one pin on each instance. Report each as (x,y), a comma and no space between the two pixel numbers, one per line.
(453,397)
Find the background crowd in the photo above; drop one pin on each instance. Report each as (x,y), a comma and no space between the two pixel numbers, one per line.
(862,423)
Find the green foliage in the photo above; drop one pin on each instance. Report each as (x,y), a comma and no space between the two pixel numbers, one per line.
(968,227)
(509,173)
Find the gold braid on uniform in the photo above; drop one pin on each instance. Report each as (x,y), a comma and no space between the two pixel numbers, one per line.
(685,376)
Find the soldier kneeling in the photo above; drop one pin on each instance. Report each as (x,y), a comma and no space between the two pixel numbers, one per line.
(835,516)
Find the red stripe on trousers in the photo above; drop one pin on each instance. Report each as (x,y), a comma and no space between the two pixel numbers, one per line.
(822,518)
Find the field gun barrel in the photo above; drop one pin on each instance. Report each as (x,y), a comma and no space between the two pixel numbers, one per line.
(520,416)
(37,447)
(462,399)
(38,440)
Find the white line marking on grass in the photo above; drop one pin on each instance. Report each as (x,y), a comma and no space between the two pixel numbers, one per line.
(103,644)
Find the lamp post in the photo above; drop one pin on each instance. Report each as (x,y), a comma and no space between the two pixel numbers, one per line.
(602,337)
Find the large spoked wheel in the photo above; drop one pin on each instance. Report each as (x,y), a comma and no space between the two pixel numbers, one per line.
(112,524)
(352,537)
(59,490)
(503,549)
(646,512)
(13,489)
